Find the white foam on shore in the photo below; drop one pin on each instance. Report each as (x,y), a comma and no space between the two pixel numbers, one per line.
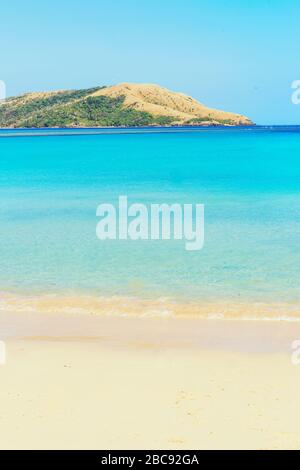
(148,308)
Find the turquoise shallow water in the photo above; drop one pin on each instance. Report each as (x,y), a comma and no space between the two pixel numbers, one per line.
(249,181)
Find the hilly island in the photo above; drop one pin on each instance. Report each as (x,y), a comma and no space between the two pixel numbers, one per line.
(126,104)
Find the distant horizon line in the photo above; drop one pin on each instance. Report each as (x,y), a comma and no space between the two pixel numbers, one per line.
(77,131)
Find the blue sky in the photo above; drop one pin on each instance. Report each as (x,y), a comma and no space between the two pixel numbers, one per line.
(236,55)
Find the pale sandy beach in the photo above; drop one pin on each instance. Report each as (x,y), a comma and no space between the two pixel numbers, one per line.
(74,382)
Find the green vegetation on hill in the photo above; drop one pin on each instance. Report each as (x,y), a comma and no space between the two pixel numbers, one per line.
(74,109)
(199,120)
